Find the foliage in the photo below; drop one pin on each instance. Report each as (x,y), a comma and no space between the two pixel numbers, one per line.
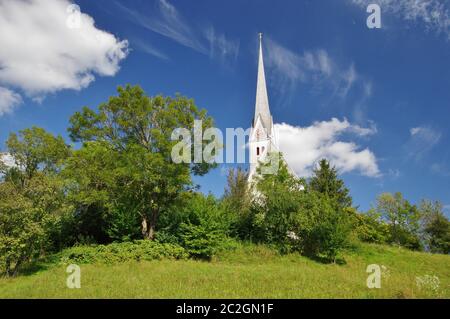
(323,229)
(276,206)
(403,219)
(126,154)
(29,219)
(296,218)
(325,181)
(201,225)
(35,150)
(368,227)
(237,202)
(122,252)
(435,227)
(32,198)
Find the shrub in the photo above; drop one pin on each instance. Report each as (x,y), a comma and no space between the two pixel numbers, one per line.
(201,226)
(28,216)
(201,241)
(368,227)
(294,218)
(323,228)
(122,252)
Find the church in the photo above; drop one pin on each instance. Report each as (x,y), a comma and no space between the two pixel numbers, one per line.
(263,138)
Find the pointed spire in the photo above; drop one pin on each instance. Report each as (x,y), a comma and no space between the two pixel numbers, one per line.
(262,100)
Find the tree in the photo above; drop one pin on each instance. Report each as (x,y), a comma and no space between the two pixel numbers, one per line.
(237,200)
(296,218)
(276,202)
(435,227)
(325,181)
(369,227)
(131,134)
(403,219)
(34,150)
(32,197)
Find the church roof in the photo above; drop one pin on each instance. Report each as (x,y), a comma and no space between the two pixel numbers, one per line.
(262,100)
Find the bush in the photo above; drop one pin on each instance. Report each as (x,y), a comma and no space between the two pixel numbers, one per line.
(294,218)
(28,216)
(323,228)
(201,226)
(122,252)
(201,241)
(369,227)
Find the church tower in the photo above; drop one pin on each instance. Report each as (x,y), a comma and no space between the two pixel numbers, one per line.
(262,140)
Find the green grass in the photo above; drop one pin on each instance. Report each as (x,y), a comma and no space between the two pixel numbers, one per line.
(248,272)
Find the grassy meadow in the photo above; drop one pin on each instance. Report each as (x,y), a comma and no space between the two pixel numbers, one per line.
(248,272)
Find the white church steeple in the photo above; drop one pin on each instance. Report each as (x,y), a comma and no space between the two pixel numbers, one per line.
(262,139)
(262,100)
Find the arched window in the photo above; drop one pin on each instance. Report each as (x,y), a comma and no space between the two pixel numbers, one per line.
(257,151)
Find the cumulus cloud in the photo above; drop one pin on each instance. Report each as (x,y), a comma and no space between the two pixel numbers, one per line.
(434,15)
(8,101)
(7,159)
(422,140)
(41,54)
(303,147)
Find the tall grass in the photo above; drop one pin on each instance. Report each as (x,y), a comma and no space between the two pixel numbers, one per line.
(248,271)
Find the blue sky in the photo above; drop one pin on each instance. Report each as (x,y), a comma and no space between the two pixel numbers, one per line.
(375,101)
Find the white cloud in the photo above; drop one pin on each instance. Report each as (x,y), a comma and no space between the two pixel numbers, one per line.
(40,54)
(394,173)
(440,169)
(220,47)
(314,67)
(8,101)
(433,14)
(304,146)
(167,21)
(147,48)
(7,159)
(422,140)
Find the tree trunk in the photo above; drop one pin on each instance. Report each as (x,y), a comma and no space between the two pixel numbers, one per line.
(149,226)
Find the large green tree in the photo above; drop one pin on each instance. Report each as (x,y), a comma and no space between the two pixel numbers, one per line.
(325,180)
(125,164)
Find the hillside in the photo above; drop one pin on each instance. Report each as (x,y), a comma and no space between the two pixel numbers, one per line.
(249,272)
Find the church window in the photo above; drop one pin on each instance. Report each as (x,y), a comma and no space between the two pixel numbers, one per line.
(257,151)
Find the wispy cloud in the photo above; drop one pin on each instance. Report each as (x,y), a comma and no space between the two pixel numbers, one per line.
(147,48)
(167,21)
(434,15)
(313,67)
(422,140)
(440,169)
(303,147)
(220,47)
